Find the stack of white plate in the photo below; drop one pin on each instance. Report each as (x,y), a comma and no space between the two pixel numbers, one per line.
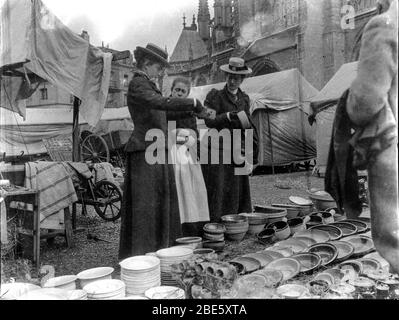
(169,256)
(77,295)
(140,273)
(109,289)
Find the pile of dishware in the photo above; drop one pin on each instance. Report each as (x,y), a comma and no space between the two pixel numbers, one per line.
(67,282)
(90,275)
(214,236)
(236,226)
(139,273)
(109,289)
(168,257)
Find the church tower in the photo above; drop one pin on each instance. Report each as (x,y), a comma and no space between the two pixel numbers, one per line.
(204,19)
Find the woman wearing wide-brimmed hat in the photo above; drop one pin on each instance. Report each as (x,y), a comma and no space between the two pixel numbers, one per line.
(150,212)
(229,193)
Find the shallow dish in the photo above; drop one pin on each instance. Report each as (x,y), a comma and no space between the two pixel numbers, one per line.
(273,214)
(253,280)
(292,210)
(294,244)
(12,291)
(288,266)
(336,274)
(362,244)
(233,218)
(273,277)
(140,263)
(369,265)
(250,264)
(292,291)
(347,228)
(46,294)
(326,277)
(360,225)
(274,254)
(327,252)
(263,258)
(194,242)
(63,282)
(165,292)
(285,251)
(334,232)
(240,268)
(345,250)
(317,235)
(256,217)
(309,261)
(174,252)
(343,288)
(306,240)
(94,274)
(266,236)
(354,265)
(362,283)
(104,287)
(300,201)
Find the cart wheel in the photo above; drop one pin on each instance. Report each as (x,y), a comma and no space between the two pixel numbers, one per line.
(110,197)
(94,148)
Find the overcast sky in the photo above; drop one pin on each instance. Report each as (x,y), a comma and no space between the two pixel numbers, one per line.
(125,24)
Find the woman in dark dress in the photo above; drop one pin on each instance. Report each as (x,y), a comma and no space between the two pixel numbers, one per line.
(228,193)
(150,213)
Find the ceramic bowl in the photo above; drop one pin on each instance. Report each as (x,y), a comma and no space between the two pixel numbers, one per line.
(327,252)
(334,232)
(213,236)
(326,277)
(354,265)
(266,236)
(203,251)
(292,210)
(314,220)
(296,224)
(318,287)
(240,268)
(285,251)
(281,228)
(347,228)
(233,218)
(274,254)
(317,235)
(214,228)
(215,245)
(345,250)
(343,288)
(294,244)
(308,241)
(288,266)
(309,261)
(263,258)
(273,214)
(90,275)
(255,228)
(362,244)
(360,225)
(250,264)
(322,200)
(336,274)
(12,291)
(300,201)
(255,218)
(369,265)
(273,277)
(193,242)
(327,217)
(236,236)
(62,282)
(292,291)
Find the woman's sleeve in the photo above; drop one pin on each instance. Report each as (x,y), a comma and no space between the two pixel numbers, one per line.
(141,92)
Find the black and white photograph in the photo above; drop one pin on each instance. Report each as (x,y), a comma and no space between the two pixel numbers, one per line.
(201,150)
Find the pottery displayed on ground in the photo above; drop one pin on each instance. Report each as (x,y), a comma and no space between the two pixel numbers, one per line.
(292,291)
(327,252)
(293,211)
(322,200)
(300,201)
(296,224)
(256,221)
(169,256)
(263,258)
(347,228)
(294,244)
(67,282)
(362,244)
(352,268)
(309,261)
(306,240)
(108,289)
(236,226)
(345,250)
(336,274)
(327,217)
(266,236)
(214,228)
(191,242)
(285,251)
(140,273)
(214,245)
(313,220)
(343,288)
(250,264)
(165,292)
(360,225)
(281,228)
(203,251)
(317,235)
(101,273)
(334,232)
(369,265)
(288,266)
(13,290)
(275,254)
(326,277)
(273,214)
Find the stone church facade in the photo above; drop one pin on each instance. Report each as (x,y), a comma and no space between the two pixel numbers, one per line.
(315,36)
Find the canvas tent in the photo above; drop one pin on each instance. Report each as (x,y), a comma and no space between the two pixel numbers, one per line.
(323,107)
(279,109)
(35,47)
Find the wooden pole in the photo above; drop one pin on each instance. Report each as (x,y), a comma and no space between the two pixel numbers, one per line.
(271,142)
(75,147)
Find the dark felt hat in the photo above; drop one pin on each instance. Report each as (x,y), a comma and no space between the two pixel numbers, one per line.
(155,52)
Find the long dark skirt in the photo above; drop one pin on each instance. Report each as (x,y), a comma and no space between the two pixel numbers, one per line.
(150,210)
(227,193)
